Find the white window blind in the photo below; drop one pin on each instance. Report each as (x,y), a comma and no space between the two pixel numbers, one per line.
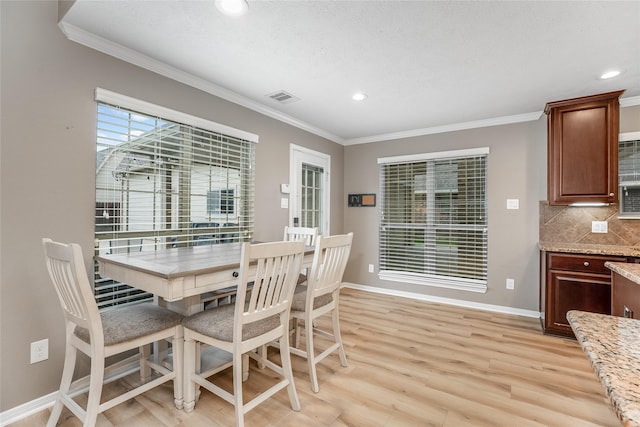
(164,184)
(433,224)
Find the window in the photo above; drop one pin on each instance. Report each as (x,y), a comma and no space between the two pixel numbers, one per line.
(311,200)
(433,224)
(629,174)
(164,180)
(220,202)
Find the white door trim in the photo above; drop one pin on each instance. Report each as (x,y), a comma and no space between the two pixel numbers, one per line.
(297,156)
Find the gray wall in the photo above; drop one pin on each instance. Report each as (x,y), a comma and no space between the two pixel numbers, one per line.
(47,170)
(516,170)
(48,173)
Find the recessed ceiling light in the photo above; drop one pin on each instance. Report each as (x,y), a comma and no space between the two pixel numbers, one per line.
(359,96)
(232,7)
(610,74)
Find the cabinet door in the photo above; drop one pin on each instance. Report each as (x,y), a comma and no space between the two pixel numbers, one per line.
(625,299)
(583,150)
(574,291)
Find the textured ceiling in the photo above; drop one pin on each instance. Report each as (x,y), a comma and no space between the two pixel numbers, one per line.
(426,66)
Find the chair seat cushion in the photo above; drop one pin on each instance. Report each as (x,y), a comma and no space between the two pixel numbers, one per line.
(131,322)
(217,323)
(300,296)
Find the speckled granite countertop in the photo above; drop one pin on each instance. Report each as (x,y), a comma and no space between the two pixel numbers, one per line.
(612,345)
(628,270)
(579,248)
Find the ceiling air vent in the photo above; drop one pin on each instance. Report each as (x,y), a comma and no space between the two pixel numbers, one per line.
(283,97)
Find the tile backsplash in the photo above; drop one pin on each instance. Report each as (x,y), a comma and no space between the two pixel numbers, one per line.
(572,224)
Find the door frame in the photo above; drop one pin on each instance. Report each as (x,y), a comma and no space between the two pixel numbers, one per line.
(297,156)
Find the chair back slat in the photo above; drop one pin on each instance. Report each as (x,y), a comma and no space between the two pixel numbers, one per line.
(330,261)
(307,234)
(68,274)
(278,265)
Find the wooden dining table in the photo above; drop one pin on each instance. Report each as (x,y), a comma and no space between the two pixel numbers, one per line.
(180,276)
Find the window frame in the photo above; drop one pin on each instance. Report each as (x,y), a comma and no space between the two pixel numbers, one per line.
(229,155)
(430,226)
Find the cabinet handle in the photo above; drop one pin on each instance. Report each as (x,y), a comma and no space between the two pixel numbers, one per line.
(586,263)
(235,274)
(611,194)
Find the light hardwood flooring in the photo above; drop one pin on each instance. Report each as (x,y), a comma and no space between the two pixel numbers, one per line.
(411,363)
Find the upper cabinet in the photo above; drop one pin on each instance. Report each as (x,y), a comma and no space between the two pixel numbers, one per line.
(583,149)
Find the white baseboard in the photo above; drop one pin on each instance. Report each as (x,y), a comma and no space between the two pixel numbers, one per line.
(449,301)
(41,403)
(27,409)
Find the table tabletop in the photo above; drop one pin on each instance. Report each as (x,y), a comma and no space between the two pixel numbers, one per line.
(178,262)
(180,273)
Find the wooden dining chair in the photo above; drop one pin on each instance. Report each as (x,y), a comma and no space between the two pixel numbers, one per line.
(260,315)
(101,335)
(320,296)
(308,234)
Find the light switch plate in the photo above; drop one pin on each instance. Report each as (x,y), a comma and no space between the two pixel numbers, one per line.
(513,204)
(599,227)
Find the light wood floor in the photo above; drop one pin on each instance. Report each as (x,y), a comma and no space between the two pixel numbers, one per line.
(411,363)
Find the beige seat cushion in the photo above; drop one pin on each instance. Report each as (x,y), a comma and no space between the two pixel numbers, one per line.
(127,323)
(217,323)
(300,295)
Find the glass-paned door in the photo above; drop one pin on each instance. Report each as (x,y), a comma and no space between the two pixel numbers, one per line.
(309,204)
(311,196)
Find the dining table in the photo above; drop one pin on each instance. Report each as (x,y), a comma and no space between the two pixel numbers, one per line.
(180,278)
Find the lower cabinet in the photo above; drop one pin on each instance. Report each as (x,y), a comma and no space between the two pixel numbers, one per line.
(573,282)
(625,300)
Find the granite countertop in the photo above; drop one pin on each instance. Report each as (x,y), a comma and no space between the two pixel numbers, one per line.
(579,248)
(628,270)
(612,345)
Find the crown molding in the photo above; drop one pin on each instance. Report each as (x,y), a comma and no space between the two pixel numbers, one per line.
(527,117)
(131,56)
(630,102)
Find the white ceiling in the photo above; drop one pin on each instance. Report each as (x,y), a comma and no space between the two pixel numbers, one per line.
(427,66)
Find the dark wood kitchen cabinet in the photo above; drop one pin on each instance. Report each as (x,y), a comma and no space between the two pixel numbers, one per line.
(582,149)
(573,282)
(625,297)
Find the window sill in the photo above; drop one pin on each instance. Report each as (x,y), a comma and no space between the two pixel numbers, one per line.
(435,281)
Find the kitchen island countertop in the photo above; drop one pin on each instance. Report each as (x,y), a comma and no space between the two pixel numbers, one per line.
(612,345)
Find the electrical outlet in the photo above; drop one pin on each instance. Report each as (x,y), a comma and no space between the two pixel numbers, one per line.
(39,351)
(510,284)
(370,268)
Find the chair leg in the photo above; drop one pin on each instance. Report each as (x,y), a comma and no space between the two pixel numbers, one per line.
(285,357)
(145,369)
(296,335)
(65,384)
(336,334)
(189,387)
(237,388)
(262,352)
(311,355)
(245,367)
(95,389)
